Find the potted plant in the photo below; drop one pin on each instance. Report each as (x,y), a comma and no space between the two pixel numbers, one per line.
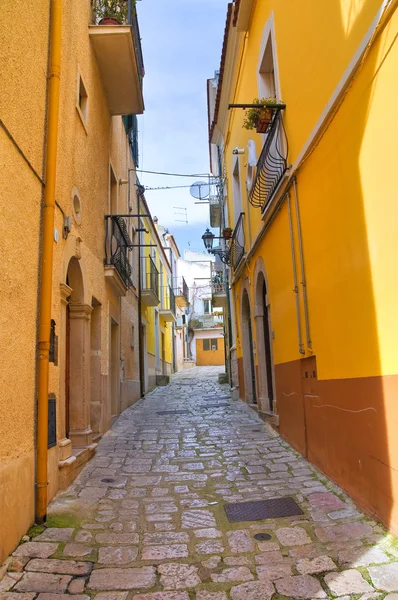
(261,117)
(227,233)
(110,12)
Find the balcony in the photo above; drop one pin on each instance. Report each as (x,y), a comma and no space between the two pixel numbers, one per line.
(237,246)
(168,305)
(272,164)
(181,292)
(118,271)
(119,56)
(218,288)
(210,321)
(149,282)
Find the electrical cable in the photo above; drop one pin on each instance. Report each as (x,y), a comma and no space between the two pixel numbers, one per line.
(177,174)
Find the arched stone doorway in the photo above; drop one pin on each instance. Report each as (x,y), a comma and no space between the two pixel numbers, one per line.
(266,385)
(248,351)
(77,360)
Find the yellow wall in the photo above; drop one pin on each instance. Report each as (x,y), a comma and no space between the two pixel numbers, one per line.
(348,242)
(22,113)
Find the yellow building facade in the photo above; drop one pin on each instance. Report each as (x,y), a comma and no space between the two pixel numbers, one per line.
(94,359)
(158,304)
(313,254)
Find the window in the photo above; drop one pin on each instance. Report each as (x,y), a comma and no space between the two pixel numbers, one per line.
(236,191)
(82,100)
(207,307)
(210,345)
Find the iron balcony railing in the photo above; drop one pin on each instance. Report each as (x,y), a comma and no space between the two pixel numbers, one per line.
(168,300)
(209,321)
(125,12)
(150,276)
(117,244)
(237,247)
(271,165)
(218,283)
(181,288)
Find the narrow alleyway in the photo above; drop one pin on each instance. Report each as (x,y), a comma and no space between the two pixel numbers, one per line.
(145,519)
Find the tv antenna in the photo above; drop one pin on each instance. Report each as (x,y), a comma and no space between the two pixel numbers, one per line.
(181,214)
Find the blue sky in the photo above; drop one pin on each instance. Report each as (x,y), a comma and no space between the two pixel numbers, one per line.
(181,41)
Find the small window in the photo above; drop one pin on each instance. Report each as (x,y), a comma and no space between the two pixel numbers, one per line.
(207,307)
(82,100)
(206,344)
(214,345)
(132,337)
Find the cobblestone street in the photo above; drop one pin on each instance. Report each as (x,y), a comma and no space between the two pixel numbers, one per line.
(145,519)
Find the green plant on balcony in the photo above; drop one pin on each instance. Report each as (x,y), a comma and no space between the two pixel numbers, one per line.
(111,12)
(227,233)
(259,118)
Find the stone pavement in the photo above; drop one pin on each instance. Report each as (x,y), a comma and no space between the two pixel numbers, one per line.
(145,519)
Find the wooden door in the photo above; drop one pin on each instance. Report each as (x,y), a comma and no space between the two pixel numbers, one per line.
(67,370)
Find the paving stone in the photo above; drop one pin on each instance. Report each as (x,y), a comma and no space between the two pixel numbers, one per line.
(64,567)
(45,596)
(15,596)
(347,582)
(292,536)
(111,596)
(363,557)
(43,582)
(391,597)
(83,536)
(300,586)
(16,564)
(385,577)
(36,549)
(209,547)
(77,550)
(344,513)
(326,501)
(165,538)
(77,585)
(343,532)
(202,595)
(273,572)
(55,534)
(9,580)
(162,552)
(174,576)
(212,562)
(233,574)
(162,596)
(240,541)
(236,561)
(319,564)
(111,555)
(122,579)
(198,518)
(253,590)
(269,558)
(117,538)
(208,533)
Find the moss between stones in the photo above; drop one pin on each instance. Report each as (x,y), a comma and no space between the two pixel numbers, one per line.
(35,530)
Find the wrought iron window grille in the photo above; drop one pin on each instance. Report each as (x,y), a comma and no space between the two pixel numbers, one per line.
(271,165)
(117,246)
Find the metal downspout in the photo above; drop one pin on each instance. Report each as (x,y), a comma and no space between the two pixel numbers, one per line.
(295,289)
(45,293)
(303,279)
(140,344)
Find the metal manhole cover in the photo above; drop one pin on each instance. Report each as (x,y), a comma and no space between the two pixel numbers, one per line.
(261,537)
(275,508)
(108,480)
(172,412)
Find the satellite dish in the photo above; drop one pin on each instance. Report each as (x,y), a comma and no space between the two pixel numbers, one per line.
(200,190)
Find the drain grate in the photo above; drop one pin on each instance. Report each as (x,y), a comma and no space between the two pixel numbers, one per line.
(172,412)
(275,508)
(216,398)
(108,480)
(261,537)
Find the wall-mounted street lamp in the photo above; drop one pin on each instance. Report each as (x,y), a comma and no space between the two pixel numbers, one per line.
(208,238)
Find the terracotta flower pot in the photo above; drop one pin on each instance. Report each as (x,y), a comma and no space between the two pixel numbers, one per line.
(263,121)
(109,21)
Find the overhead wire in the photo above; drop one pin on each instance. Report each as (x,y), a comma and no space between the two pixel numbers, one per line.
(177,174)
